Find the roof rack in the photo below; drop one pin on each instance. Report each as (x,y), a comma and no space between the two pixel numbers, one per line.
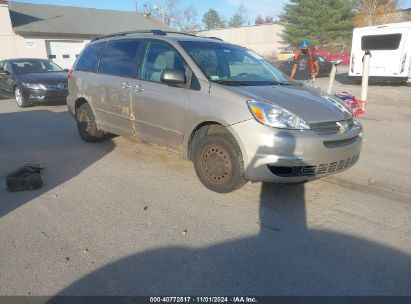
(215,38)
(154,32)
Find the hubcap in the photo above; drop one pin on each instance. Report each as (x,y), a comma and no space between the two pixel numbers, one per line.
(19,96)
(85,120)
(216,164)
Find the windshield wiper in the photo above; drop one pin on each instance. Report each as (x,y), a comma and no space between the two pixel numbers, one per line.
(230,83)
(279,83)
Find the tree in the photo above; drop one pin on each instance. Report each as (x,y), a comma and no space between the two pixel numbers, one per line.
(174,16)
(324,23)
(171,12)
(239,18)
(375,12)
(187,21)
(261,20)
(212,20)
(236,20)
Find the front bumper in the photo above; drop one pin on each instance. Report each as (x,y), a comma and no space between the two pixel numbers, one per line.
(290,156)
(45,96)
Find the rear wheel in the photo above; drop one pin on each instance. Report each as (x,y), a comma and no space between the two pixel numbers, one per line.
(19,97)
(86,124)
(218,163)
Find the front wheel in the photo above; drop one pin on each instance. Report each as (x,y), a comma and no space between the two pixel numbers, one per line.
(218,163)
(19,97)
(86,124)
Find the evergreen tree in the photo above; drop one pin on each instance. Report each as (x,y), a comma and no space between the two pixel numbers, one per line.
(212,20)
(239,18)
(322,22)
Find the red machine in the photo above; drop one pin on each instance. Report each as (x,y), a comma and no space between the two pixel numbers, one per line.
(358,106)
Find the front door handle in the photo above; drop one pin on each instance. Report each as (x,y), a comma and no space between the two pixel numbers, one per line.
(138,88)
(125,85)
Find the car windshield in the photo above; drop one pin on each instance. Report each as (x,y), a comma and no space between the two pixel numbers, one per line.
(35,66)
(233,65)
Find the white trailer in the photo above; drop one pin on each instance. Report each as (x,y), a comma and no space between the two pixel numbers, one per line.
(390,47)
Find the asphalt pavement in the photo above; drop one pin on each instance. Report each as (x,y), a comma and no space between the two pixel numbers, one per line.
(128,218)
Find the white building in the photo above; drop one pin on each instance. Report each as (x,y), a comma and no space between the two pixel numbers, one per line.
(263,39)
(60,32)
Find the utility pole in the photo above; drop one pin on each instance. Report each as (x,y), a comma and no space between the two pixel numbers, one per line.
(136,2)
(162,13)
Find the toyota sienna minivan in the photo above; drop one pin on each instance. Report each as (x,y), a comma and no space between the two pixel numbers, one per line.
(220,105)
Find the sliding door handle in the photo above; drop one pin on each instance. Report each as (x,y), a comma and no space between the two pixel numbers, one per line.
(125,85)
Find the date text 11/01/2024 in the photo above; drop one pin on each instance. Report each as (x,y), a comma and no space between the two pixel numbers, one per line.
(203,300)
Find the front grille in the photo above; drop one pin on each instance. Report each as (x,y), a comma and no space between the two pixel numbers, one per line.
(57,86)
(332,127)
(325,168)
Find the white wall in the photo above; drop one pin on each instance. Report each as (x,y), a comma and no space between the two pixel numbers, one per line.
(7,49)
(263,39)
(16,46)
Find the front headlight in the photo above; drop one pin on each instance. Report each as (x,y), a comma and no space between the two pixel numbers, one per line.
(275,116)
(34,86)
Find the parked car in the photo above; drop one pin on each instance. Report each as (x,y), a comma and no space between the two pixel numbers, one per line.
(344,58)
(284,55)
(325,66)
(220,105)
(32,81)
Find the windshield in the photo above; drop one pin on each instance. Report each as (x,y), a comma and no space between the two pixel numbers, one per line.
(35,66)
(233,65)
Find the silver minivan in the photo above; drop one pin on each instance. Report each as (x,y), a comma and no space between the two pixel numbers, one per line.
(222,106)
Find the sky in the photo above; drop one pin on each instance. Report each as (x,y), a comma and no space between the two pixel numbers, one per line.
(224,7)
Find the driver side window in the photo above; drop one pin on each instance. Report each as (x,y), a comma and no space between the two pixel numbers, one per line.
(159,57)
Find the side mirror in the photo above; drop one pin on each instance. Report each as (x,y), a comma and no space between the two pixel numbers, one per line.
(173,77)
(5,73)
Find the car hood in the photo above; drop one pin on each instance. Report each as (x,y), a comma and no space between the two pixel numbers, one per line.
(309,104)
(48,78)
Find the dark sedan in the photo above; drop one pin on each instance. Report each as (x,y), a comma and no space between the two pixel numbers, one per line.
(325,66)
(32,81)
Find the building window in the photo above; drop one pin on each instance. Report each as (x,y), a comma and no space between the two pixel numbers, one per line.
(66,56)
(52,56)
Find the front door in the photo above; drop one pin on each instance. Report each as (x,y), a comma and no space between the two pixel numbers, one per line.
(117,70)
(6,79)
(160,109)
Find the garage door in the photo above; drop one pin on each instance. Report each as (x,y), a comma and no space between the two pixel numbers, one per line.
(64,53)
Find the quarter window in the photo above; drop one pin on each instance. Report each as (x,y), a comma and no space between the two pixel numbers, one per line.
(158,58)
(89,58)
(381,42)
(119,59)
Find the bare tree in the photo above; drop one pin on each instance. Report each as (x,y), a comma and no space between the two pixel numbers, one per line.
(172,12)
(187,21)
(375,12)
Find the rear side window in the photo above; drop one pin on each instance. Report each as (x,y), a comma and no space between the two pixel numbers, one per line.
(381,42)
(119,59)
(89,58)
(159,57)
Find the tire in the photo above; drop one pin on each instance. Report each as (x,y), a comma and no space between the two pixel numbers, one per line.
(19,97)
(86,124)
(218,163)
